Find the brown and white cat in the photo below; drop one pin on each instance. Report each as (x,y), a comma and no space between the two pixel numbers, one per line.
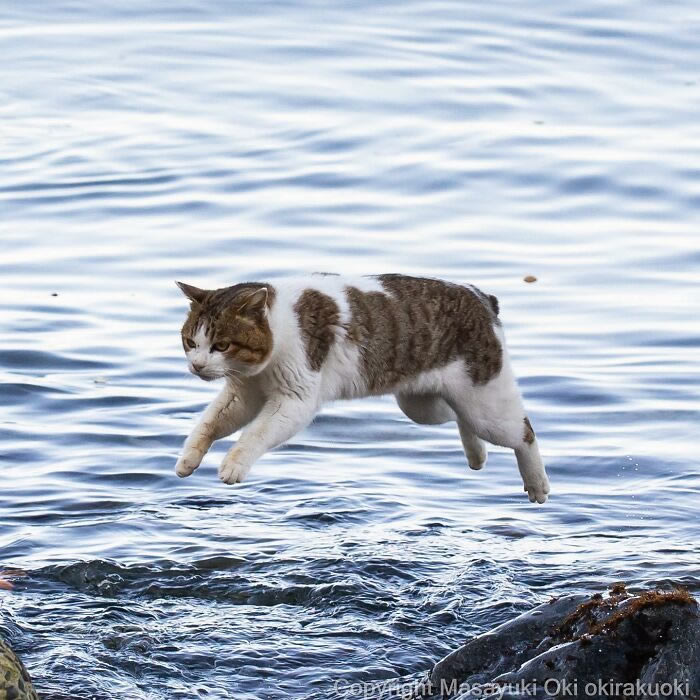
(285,349)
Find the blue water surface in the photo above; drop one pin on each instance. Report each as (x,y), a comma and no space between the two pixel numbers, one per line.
(216,142)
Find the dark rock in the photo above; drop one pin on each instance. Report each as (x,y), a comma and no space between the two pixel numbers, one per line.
(15,683)
(617,645)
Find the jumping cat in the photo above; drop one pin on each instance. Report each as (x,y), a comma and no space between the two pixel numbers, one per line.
(286,349)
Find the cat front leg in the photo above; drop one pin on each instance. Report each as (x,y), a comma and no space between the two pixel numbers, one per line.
(278,421)
(228,412)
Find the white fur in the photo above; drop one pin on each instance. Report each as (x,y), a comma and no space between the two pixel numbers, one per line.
(284,394)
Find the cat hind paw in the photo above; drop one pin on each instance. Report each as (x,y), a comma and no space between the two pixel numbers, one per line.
(477,459)
(537,489)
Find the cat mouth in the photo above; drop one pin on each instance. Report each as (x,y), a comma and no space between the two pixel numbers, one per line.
(205,376)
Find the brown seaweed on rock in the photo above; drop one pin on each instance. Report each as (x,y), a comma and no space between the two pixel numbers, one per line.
(565,648)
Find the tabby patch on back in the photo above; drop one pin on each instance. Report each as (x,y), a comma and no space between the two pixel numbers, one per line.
(419,324)
(287,348)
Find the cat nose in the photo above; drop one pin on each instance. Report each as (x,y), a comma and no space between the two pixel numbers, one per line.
(197,367)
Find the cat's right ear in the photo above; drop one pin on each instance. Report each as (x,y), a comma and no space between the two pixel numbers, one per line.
(192,293)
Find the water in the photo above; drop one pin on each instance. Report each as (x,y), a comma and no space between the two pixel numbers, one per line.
(217,142)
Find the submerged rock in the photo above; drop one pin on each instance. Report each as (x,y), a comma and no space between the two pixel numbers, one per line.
(617,645)
(15,683)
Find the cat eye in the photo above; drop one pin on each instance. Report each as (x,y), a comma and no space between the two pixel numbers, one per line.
(221,346)
(190,343)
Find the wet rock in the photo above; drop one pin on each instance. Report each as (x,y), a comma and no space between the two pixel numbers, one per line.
(15,683)
(613,645)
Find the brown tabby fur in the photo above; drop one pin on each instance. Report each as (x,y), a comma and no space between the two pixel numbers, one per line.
(528,433)
(318,316)
(422,324)
(228,317)
(416,325)
(429,342)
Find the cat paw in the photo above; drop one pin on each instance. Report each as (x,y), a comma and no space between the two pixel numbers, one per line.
(187,463)
(477,460)
(537,489)
(232,471)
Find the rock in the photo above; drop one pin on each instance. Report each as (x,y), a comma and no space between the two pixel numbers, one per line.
(15,683)
(622,645)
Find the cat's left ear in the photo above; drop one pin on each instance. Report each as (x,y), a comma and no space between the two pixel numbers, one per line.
(192,293)
(254,302)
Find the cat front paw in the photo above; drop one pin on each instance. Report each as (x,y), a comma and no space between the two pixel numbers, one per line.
(232,471)
(188,462)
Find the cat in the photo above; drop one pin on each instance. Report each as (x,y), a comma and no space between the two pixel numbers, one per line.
(286,348)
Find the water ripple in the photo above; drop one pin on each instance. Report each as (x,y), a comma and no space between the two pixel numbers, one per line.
(214,143)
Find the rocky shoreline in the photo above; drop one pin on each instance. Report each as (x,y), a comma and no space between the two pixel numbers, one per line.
(614,645)
(620,644)
(15,683)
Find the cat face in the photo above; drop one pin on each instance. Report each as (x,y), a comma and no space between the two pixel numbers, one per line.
(226,333)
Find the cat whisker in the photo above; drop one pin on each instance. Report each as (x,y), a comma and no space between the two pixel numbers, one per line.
(233,374)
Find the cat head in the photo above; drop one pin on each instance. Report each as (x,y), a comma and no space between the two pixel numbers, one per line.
(226,333)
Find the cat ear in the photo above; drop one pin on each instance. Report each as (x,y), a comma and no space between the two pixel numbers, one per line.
(254,301)
(192,293)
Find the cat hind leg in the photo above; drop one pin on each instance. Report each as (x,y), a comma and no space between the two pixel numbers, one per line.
(432,409)
(530,464)
(474,447)
(494,412)
(426,409)
(515,431)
